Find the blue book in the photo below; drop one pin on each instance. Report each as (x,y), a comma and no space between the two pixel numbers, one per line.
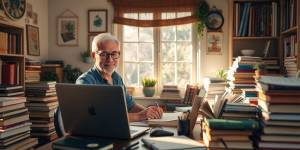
(243,18)
(82,143)
(245,27)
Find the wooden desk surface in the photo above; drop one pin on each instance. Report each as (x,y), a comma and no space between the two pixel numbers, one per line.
(118,144)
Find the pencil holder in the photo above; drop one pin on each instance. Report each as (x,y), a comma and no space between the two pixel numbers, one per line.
(183,127)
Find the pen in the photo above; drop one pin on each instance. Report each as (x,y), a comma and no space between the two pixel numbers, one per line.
(132,145)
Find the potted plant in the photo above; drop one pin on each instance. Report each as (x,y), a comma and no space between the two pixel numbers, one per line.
(202,17)
(71,74)
(86,57)
(260,69)
(149,86)
(222,74)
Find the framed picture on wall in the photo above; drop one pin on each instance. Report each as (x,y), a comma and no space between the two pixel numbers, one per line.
(214,43)
(67,31)
(33,42)
(90,40)
(97,20)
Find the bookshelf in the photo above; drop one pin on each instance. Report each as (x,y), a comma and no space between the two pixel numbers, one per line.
(12,55)
(252,24)
(289,35)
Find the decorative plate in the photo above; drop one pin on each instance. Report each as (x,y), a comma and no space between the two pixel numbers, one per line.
(215,20)
(14,9)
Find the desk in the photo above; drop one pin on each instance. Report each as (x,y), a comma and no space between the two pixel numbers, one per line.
(118,144)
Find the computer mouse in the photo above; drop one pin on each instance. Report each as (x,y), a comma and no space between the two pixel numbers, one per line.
(160,133)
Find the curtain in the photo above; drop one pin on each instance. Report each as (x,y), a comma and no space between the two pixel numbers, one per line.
(154,6)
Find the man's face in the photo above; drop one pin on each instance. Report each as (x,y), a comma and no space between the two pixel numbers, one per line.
(107,56)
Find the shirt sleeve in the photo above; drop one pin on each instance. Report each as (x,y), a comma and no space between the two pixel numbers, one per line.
(129,99)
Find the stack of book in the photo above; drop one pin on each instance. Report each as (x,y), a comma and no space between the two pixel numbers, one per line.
(272,65)
(279,100)
(214,87)
(250,96)
(11,90)
(241,74)
(14,124)
(170,92)
(32,71)
(42,103)
(290,64)
(228,134)
(229,123)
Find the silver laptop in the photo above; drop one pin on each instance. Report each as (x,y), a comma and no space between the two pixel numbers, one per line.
(95,110)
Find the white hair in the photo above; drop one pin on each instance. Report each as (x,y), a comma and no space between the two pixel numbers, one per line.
(100,38)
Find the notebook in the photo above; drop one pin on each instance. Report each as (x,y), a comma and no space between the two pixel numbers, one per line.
(172,143)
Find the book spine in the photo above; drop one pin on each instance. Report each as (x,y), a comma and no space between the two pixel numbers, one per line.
(222,124)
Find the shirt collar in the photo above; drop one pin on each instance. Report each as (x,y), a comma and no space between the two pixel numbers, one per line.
(113,76)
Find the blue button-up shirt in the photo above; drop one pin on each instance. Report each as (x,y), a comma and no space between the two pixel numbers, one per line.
(93,76)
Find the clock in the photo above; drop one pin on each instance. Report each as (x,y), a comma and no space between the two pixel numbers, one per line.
(14,9)
(215,20)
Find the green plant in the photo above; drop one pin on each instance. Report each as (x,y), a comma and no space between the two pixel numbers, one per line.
(71,74)
(148,82)
(222,73)
(202,17)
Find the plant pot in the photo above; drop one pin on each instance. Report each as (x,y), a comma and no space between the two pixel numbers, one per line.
(87,59)
(149,91)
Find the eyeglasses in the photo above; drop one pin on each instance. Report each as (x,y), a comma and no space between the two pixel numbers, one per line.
(103,54)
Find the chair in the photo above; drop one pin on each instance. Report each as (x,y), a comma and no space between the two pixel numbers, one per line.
(59,127)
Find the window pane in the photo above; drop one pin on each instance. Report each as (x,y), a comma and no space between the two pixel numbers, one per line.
(131,74)
(183,14)
(131,15)
(168,15)
(184,51)
(130,51)
(146,70)
(168,33)
(184,32)
(130,33)
(146,34)
(146,16)
(168,73)
(146,52)
(184,71)
(168,51)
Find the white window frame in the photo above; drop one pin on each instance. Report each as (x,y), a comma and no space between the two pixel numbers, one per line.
(157,52)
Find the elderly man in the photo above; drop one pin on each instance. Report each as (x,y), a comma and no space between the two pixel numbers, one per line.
(106,53)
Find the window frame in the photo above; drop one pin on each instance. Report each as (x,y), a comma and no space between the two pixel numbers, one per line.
(157,53)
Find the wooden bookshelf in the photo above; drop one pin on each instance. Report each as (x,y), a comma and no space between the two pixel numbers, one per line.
(12,51)
(290,33)
(247,36)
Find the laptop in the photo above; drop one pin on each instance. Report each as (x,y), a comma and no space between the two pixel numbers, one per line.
(95,110)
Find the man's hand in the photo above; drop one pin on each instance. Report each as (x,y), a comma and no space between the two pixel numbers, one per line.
(153,112)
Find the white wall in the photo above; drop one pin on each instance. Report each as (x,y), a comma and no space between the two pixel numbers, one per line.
(71,55)
(211,63)
(41,7)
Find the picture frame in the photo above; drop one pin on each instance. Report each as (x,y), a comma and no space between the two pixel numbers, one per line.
(97,20)
(67,31)
(33,42)
(214,43)
(90,40)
